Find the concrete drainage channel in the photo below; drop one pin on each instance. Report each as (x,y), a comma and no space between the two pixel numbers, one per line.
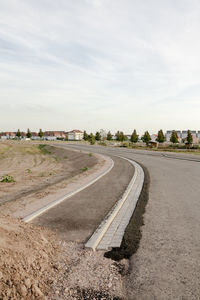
(111,231)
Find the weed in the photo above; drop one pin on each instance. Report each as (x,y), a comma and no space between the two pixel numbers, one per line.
(84,169)
(56,158)
(42,175)
(7,178)
(51,173)
(28,171)
(43,149)
(102,143)
(90,154)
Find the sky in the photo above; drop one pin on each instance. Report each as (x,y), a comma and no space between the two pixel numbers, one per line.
(99,64)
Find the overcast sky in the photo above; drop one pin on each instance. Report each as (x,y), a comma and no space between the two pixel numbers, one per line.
(92,64)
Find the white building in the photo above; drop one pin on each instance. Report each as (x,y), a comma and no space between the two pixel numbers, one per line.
(75,135)
(168,135)
(54,135)
(8,135)
(198,135)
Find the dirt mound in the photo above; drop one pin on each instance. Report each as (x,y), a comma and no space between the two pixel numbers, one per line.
(27,260)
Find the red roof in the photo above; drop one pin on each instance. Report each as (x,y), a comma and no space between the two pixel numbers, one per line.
(75,131)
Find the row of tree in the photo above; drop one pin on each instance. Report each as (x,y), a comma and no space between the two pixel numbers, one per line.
(146,138)
(28,134)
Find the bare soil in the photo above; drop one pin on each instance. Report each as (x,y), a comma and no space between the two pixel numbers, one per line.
(34,168)
(36,265)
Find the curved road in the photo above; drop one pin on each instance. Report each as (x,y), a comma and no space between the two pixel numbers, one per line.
(167,263)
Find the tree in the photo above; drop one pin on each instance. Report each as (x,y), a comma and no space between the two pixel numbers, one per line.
(174,137)
(28,135)
(40,133)
(97,136)
(91,139)
(134,137)
(161,137)
(189,137)
(109,136)
(120,136)
(18,134)
(146,137)
(85,136)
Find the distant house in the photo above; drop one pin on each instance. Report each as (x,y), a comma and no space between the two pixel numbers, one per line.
(54,135)
(128,136)
(198,136)
(7,135)
(34,136)
(168,135)
(154,137)
(75,135)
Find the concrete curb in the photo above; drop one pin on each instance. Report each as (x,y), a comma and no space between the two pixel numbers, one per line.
(58,201)
(110,232)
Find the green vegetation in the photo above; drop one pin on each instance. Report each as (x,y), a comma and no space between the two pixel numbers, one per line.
(161,137)
(28,171)
(28,135)
(43,149)
(91,139)
(84,169)
(7,178)
(189,137)
(120,136)
(97,136)
(85,136)
(134,137)
(90,154)
(40,133)
(124,145)
(146,137)
(102,143)
(174,137)
(109,136)
(18,134)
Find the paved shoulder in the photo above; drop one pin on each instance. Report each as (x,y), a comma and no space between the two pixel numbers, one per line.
(77,217)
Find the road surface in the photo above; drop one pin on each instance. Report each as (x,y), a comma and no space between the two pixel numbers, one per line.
(167,263)
(78,217)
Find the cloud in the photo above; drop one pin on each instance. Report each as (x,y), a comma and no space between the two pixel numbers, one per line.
(100,57)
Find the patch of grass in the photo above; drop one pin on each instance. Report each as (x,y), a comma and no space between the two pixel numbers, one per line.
(51,173)
(84,169)
(90,154)
(43,149)
(42,175)
(56,158)
(28,171)
(102,144)
(7,178)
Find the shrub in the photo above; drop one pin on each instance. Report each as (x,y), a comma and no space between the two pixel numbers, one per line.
(7,178)
(102,144)
(84,169)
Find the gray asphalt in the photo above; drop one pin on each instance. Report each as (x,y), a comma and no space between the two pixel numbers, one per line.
(78,217)
(167,263)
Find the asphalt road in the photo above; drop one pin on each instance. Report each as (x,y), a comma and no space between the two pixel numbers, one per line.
(167,263)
